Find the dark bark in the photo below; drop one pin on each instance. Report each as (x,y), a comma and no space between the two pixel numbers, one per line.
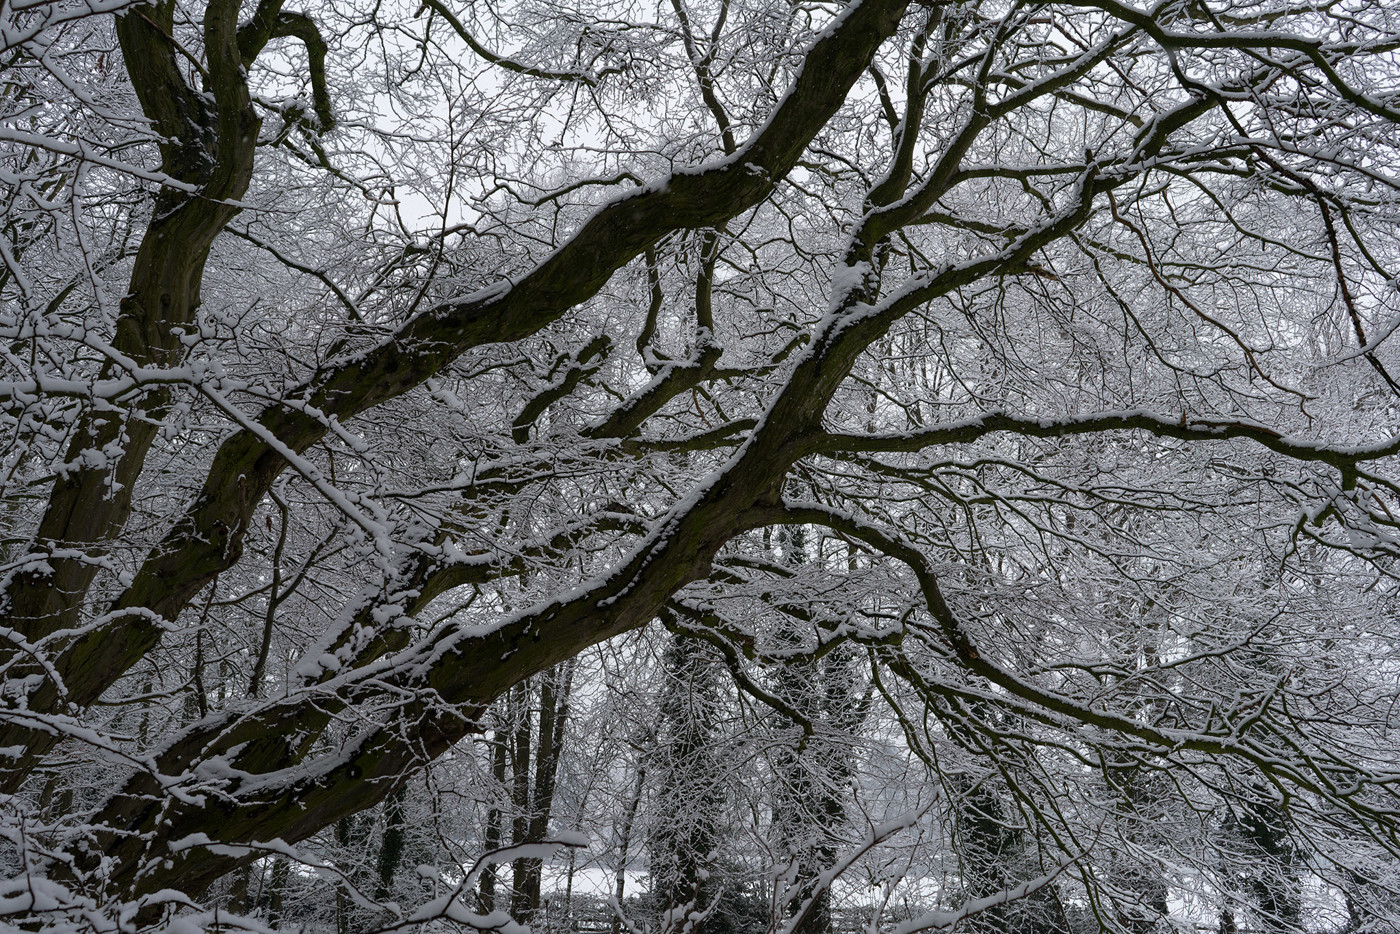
(1273,872)
(208,142)
(555,687)
(690,798)
(520,711)
(392,846)
(277,890)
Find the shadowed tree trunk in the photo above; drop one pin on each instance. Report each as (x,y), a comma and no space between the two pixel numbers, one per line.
(1272,873)
(494,815)
(685,827)
(532,826)
(392,846)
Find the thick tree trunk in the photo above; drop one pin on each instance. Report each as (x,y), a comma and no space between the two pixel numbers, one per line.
(209,142)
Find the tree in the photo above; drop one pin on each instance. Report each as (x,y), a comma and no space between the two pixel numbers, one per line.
(812,773)
(690,798)
(532,793)
(364,361)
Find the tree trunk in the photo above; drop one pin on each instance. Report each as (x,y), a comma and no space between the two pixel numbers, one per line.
(520,795)
(624,841)
(209,142)
(277,890)
(391,849)
(555,687)
(494,820)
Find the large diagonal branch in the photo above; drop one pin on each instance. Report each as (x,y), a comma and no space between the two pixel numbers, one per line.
(444,683)
(350,659)
(209,538)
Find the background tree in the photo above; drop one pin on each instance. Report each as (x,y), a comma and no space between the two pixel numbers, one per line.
(688,813)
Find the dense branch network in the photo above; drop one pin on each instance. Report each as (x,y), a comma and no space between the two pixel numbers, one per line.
(1052,340)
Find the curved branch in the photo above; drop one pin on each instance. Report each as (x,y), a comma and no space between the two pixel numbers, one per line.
(1184,428)
(509,64)
(300,26)
(269,22)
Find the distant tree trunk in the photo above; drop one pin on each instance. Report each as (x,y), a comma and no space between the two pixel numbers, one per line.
(533,757)
(238,892)
(624,840)
(519,788)
(46,796)
(196,702)
(555,687)
(810,805)
(685,830)
(1138,804)
(569,886)
(391,849)
(352,837)
(986,847)
(342,903)
(994,847)
(494,819)
(277,889)
(143,729)
(802,809)
(1273,874)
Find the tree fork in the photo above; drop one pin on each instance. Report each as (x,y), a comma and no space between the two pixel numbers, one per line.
(209,538)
